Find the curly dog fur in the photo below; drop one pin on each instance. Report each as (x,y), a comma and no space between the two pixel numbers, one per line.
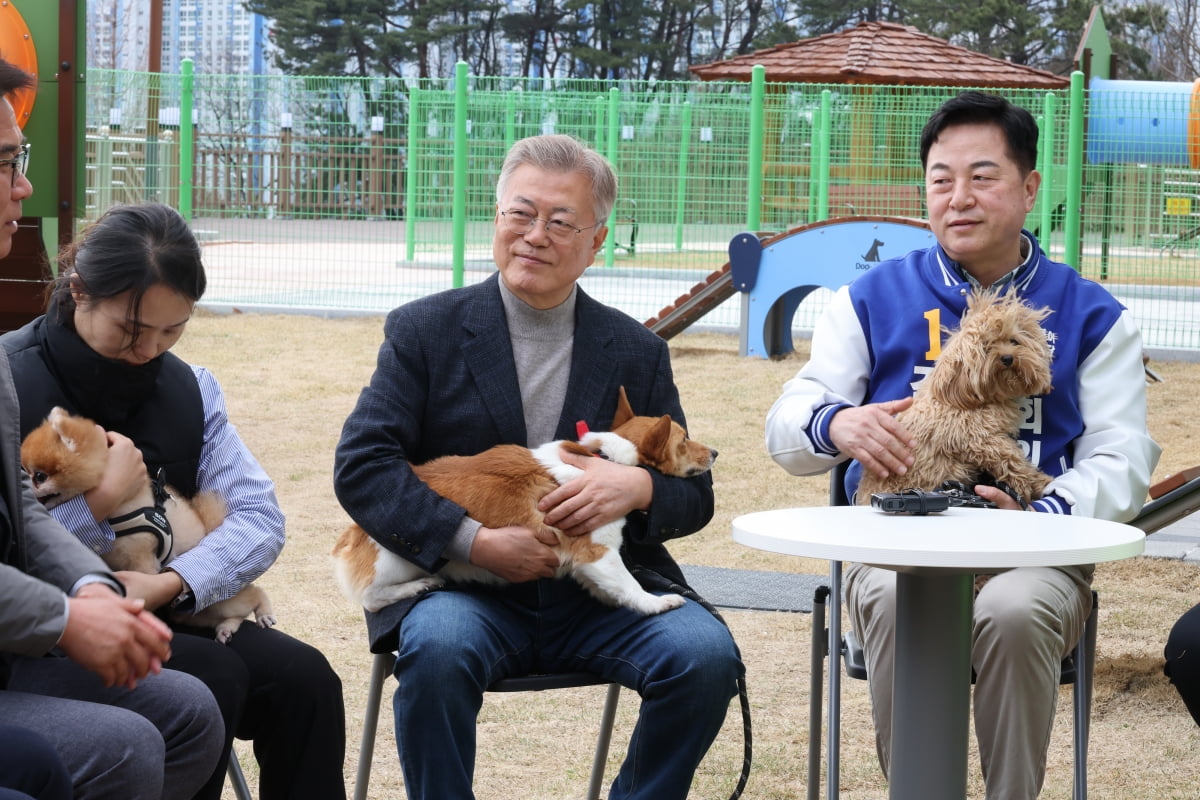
(966,413)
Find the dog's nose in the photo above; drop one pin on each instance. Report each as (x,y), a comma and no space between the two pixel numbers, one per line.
(1006,360)
(713,451)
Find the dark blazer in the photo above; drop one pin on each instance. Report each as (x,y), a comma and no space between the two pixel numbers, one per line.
(446,383)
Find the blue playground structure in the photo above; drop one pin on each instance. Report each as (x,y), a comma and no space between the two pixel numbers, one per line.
(775,275)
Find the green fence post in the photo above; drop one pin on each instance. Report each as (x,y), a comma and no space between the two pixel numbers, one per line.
(459,236)
(823,148)
(614,131)
(814,165)
(601,121)
(187,138)
(685,140)
(754,173)
(1046,167)
(410,175)
(510,118)
(1072,227)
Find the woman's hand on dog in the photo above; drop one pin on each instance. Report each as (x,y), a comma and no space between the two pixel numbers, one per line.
(604,492)
(516,553)
(124,473)
(873,436)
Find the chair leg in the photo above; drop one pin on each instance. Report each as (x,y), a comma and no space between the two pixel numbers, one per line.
(381,665)
(600,759)
(1085,669)
(240,790)
(834,745)
(816,671)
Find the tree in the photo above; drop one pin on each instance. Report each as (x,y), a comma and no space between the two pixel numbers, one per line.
(642,39)
(1136,34)
(1171,33)
(533,32)
(332,37)
(1036,33)
(380,37)
(829,16)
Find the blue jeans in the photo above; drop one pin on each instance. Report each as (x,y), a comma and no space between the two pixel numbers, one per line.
(457,642)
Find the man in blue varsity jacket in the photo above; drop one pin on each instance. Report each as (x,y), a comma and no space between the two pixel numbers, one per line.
(877,340)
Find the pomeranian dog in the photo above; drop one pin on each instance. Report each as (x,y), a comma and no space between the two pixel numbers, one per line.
(967,412)
(66,456)
(502,486)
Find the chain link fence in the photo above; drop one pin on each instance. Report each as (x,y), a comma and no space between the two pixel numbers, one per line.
(337,195)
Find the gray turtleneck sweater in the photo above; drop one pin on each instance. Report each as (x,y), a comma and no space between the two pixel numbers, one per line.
(542,341)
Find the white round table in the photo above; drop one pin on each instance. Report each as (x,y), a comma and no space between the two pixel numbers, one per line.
(935,557)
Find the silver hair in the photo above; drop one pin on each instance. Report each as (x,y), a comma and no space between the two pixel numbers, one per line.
(559,153)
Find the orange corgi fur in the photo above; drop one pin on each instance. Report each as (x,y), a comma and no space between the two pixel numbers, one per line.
(502,486)
(66,456)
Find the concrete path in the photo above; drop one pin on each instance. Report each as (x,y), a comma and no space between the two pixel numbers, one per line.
(1180,540)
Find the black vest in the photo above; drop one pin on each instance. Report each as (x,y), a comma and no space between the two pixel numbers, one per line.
(158,405)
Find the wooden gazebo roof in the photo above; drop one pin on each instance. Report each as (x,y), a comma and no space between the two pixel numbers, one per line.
(880,53)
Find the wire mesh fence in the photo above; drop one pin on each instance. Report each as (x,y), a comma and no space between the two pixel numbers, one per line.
(337,195)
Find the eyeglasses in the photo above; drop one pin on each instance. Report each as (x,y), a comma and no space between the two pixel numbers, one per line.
(522,222)
(19,162)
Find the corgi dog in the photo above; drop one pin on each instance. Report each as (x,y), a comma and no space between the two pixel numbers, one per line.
(66,456)
(502,486)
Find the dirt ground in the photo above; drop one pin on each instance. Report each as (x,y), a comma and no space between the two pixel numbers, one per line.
(290,382)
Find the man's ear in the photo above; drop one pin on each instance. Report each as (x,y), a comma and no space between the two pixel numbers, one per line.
(598,236)
(1033,182)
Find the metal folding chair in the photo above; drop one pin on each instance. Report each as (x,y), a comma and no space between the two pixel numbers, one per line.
(383,664)
(236,779)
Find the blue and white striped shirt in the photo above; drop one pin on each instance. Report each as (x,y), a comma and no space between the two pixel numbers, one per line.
(252,535)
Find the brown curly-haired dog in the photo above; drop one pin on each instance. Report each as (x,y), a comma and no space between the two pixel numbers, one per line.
(966,413)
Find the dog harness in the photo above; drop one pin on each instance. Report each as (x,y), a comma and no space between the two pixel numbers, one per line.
(150,519)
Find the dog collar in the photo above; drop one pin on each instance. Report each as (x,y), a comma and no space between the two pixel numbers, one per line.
(582,430)
(150,519)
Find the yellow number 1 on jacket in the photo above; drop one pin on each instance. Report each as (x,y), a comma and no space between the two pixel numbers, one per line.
(934,317)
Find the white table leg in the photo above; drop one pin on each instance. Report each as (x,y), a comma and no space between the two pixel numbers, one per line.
(932,686)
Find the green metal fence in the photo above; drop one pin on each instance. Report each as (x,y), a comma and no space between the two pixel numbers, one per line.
(340,194)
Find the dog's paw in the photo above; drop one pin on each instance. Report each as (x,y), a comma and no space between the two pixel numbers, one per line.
(657,604)
(266,621)
(380,597)
(226,630)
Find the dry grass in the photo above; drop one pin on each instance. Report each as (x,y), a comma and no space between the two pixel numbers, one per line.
(291,381)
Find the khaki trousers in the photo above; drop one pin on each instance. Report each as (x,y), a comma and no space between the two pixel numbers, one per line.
(1025,622)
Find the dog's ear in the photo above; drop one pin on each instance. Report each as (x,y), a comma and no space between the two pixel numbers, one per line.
(624,412)
(956,377)
(656,444)
(68,429)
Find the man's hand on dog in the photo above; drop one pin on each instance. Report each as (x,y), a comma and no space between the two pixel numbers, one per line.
(515,553)
(1001,498)
(606,491)
(872,435)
